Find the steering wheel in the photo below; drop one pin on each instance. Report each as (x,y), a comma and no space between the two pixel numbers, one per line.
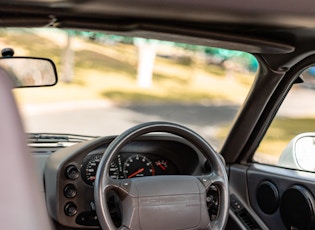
(162,202)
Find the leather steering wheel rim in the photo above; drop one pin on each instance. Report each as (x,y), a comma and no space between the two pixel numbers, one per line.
(103,182)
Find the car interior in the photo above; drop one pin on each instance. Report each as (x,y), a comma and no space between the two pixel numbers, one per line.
(160,173)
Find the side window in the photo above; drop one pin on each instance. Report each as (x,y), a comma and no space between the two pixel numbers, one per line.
(290,140)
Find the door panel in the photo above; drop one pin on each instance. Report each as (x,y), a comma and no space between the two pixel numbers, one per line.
(275,198)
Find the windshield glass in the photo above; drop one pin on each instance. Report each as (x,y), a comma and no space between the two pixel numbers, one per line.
(108,83)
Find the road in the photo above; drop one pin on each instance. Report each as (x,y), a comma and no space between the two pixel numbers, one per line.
(99,118)
(103,118)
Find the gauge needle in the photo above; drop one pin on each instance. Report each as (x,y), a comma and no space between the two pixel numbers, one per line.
(136,172)
(162,166)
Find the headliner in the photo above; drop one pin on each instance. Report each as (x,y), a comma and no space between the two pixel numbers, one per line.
(269,27)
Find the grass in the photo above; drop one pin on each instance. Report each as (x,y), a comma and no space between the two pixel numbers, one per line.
(282,130)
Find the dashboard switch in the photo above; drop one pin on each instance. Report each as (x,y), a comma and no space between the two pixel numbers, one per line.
(72,172)
(87,219)
(70,191)
(71,209)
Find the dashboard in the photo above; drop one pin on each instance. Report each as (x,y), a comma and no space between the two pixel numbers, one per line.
(70,172)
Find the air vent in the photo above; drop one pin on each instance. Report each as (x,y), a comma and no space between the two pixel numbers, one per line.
(243,214)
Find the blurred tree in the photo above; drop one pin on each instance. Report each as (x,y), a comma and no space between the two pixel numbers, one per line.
(146,60)
(68,56)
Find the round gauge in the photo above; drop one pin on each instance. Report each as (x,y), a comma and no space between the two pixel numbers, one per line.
(165,167)
(89,169)
(90,165)
(137,166)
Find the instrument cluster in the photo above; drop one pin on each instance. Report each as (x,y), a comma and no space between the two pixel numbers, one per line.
(128,165)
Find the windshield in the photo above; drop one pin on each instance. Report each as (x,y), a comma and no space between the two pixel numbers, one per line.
(108,83)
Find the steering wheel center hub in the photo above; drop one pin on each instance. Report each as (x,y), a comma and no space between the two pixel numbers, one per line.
(178,199)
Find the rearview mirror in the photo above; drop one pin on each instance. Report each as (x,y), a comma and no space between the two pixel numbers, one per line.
(29,71)
(300,153)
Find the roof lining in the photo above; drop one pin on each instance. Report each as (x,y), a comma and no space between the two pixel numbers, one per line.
(179,31)
(183,34)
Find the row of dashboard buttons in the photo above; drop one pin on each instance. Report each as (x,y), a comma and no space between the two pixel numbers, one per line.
(70,190)
(87,218)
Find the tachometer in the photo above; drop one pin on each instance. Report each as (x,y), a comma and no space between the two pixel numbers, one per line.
(138,165)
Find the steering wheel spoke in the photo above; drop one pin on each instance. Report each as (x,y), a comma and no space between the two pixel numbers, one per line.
(212,179)
(120,186)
